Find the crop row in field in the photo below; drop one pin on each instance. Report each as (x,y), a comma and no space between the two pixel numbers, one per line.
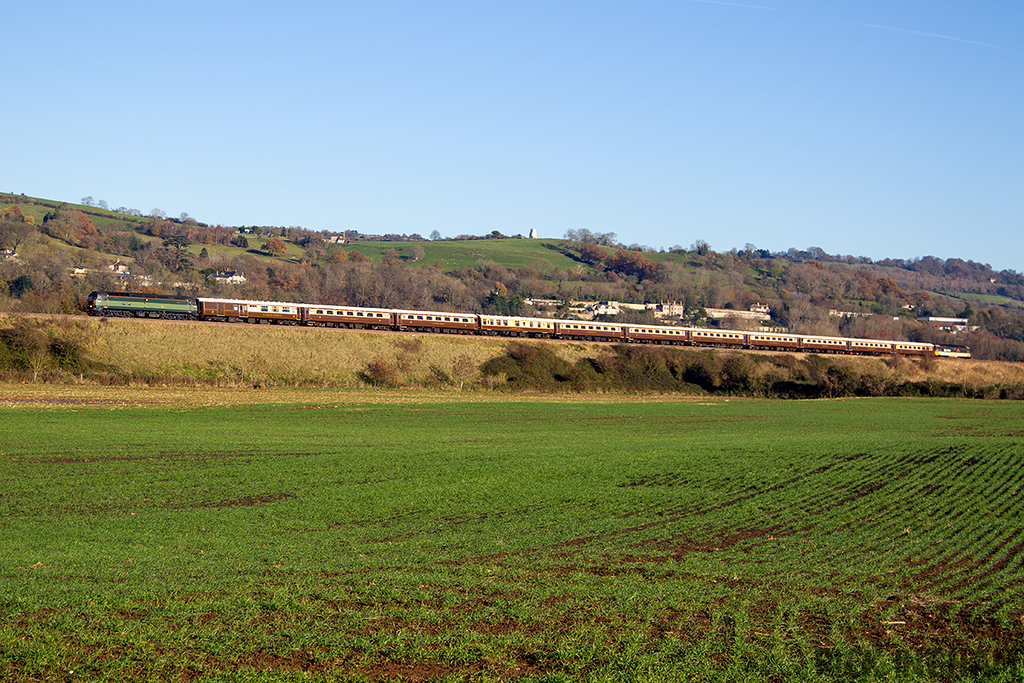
(532,540)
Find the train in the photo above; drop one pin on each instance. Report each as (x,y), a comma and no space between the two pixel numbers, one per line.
(144,305)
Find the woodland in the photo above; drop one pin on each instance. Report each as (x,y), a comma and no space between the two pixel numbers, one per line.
(55,253)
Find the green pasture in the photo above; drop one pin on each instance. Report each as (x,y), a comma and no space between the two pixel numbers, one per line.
(453,254)
(348,537)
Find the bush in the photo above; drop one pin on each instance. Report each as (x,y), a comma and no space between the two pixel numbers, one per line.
(38,346)
(531,366)
(380,373)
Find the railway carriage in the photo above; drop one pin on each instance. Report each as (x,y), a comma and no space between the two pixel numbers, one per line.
(774,341)
(875,346)
(437,321)
(826,344)
(717,337)
(657,334)
(348,316)
(229,310)
(516,327)
(264,312)
(905,348)
(590,330)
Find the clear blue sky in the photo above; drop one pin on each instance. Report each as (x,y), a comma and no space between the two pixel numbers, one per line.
(875,128)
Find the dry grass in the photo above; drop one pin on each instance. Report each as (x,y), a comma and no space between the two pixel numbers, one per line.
(969,372)
(247,354)
(240,355)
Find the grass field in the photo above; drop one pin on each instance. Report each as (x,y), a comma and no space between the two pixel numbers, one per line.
(339,535)
(452,254)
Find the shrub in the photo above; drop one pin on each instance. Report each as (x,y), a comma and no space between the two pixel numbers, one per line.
(380,373)
(531,366)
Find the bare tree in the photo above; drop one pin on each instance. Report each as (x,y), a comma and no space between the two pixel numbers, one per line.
(14,233)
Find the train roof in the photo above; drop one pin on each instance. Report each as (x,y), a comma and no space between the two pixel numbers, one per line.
(141,295)
(404,311)
(348,307)
(250,302)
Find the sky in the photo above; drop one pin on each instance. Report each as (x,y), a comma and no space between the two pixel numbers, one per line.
(871,128)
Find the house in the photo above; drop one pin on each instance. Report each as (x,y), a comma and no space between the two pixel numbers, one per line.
(723,313)
(228,277)
(949,324)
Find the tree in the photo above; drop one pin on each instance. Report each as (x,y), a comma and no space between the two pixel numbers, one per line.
(175,256)
(15,228)
(275,246)
(178,242)
(633,263)
(88,201)
(417,252)
(68,225)
(462,369)
(592,254)
(435,236)
(336,255)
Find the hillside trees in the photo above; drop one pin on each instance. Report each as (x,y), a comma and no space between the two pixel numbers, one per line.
(14,229)
(70,226)
(592,254)
(275,246)
(175,255)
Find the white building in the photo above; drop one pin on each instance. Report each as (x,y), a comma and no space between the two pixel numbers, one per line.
(227,278)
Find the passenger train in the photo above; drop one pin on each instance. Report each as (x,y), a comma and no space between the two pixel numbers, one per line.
(141,305)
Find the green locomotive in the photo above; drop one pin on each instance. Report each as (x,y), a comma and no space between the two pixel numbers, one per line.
(142,305)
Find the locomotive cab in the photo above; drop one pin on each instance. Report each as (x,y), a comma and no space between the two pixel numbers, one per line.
(95,301)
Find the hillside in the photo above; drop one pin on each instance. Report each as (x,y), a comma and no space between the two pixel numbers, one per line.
(59,252)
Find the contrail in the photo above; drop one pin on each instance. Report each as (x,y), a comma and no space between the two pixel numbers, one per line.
(932,35)
(937,35)
(860,23)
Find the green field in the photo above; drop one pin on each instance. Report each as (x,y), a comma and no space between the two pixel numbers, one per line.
(340,535)
(451,254)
